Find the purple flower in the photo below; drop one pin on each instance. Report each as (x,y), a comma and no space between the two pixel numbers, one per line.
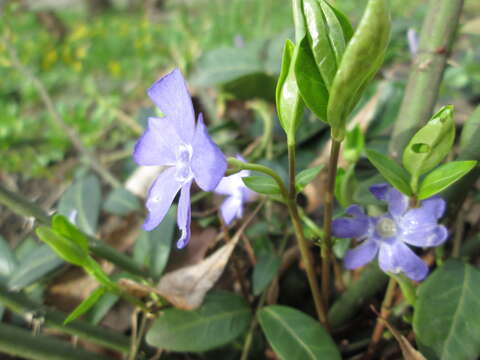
(389,234)
(237,194)
(185,149)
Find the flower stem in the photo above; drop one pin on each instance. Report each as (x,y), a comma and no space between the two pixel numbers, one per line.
(380,324)
(302,243)
(327,219)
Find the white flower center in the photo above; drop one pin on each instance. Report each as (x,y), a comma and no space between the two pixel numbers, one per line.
(184,156)
(386,227)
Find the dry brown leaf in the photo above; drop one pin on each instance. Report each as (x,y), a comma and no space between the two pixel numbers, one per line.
(186,288)
(408,351)
(315,190)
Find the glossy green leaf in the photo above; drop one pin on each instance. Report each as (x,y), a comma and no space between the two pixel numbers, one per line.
(360,62)
(84,197)
(120,201)
(354,144)
(86,304)
(262,185)
(310,83)
(444,176)
(306,176)
(391,171)
(325,36)
(264,271)
(221,319)
(8,260)
(67,249)
(298,20)
(101,308)
(447,315)
(288,99)
(431,144)
(37,263)
(345,186)
(294,335)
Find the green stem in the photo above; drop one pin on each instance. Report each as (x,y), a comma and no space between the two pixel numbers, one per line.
(436,39)
(327,219)
(19,342)
(19,303)
(22,206)
(408,289)
(249,338)
(260,168)
(301,241)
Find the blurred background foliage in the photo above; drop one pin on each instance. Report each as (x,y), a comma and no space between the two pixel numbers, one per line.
(98,57)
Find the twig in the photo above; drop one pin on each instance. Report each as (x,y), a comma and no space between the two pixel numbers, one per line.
(70,132)
(384,312)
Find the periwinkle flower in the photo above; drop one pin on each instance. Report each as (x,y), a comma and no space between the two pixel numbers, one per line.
(237,194)
(184,148)
(388,235)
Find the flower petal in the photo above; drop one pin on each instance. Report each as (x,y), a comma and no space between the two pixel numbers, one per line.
(361,255)
(208,162)
(434,205)
(427,236)
(160,197)
(158,143)
(184,215)
(397,257)
(229,185)
(355,210)
(171,96)
(379,190)
(397,202)
(231,208)
(350,227)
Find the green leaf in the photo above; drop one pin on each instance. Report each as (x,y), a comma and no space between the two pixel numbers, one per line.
(294,335)
(470,130)
(312,88)
(429,146)
(221,319)
(84,197)
(152,248)
(360,62)
(447,315)
(288,99)
(262,184)
(8,260)
(67,249)
(444,176)
(101,308)
(264,271)
(120,201)
(354,144)
(63,226)
(33,266)
(86,304)
(306,176)
(390,170)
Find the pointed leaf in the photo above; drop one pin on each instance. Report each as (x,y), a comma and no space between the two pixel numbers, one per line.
(294,335)
(306,176)
(431,144)
(444,176)
(391,171)
(8,260)
(86,304)
(221,319)
(262,185)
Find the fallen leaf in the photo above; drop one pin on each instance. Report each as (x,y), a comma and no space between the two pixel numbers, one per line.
(186,287)
(408,351)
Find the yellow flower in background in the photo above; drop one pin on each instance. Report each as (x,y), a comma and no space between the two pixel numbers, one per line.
(115,68)
(77,66)
(81,52)
(49,59)
(79,33)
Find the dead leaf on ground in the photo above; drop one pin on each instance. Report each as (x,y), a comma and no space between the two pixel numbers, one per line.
(408,351)
(186,287)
